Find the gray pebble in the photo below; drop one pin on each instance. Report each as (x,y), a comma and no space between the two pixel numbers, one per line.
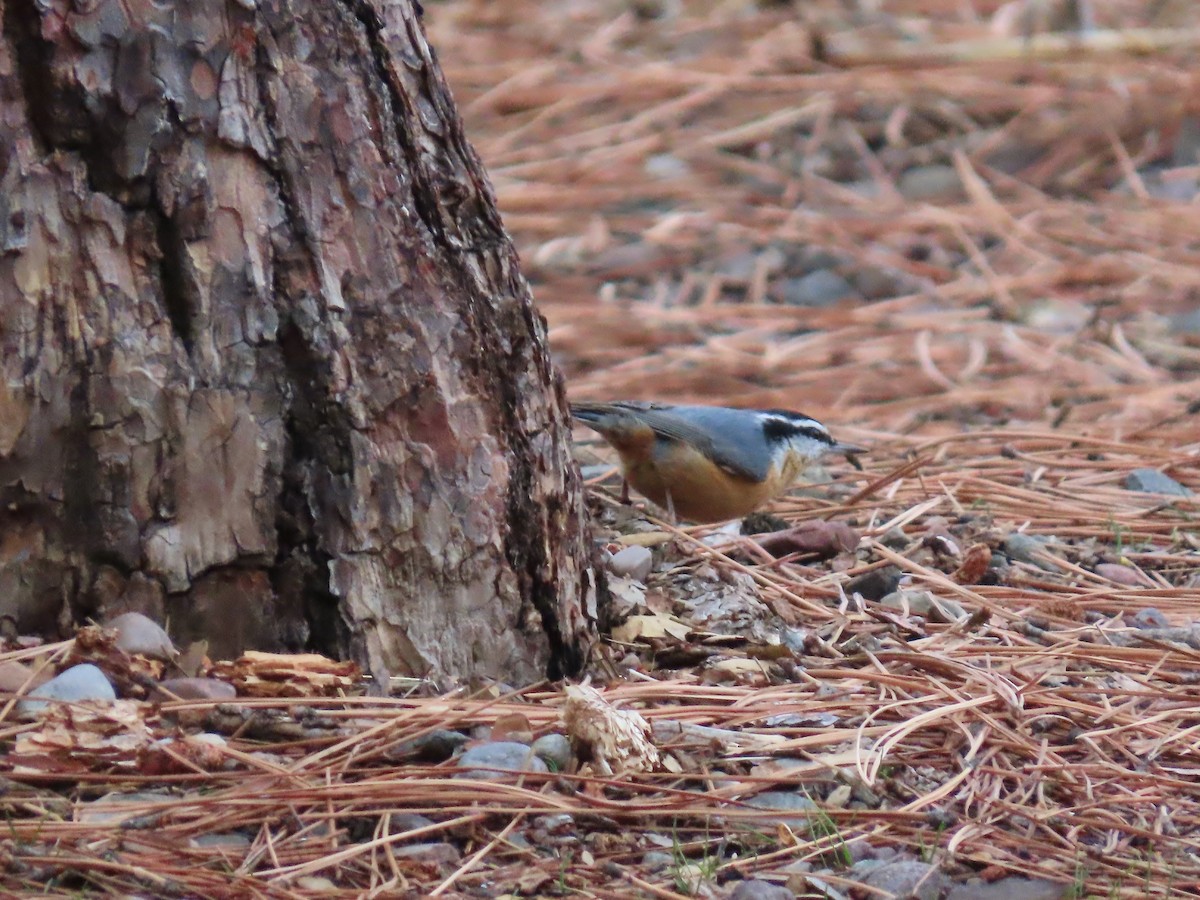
(1152,481)
(508,756)
(140,634)
(1150,618)
(1014,157)
(1024,548)
(877,284)
(554,749)
(1186,322)
(787,802)
(757,889)
(405,821)
(117,807)
(657,860)
(743,266)
(816,289)
(221,840)
(555,823)
(1175,188)
(1186,151)
(632,562)
(902,877)
(666,166)
(82,682)
(193,689)
(1012,888)
(436,746)
(1058,316)
(923,603)
(439,853)
(876,584)
(930,183)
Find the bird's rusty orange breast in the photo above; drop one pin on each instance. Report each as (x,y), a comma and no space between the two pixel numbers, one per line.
(698,489)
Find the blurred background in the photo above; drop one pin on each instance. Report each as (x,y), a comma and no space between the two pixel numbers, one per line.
(907,216)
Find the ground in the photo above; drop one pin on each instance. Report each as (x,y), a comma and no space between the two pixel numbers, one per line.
(972,247)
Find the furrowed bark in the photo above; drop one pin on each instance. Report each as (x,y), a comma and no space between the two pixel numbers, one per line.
(270,367)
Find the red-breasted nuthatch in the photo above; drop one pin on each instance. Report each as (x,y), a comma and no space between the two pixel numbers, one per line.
(710,463)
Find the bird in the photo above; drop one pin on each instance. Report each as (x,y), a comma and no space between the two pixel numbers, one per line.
(709,463)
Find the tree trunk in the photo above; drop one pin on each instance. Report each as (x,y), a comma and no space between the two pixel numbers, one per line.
(270,368)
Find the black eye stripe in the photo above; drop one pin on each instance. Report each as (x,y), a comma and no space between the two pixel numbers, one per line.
(781,426)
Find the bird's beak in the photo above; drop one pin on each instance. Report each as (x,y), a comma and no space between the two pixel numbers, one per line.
(850,451)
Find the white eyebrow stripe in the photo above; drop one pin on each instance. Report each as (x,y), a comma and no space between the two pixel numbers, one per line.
(794,426)
(796,423)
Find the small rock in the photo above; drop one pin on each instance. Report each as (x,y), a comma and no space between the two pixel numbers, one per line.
(1057,316)
(800,866)
(895,539)
(927,184)
(507,756)
(817,289)
(787,802)
(1014,157)
(439,853)
(82,682)
(1187,139)
(1150,618)
(436,746)
(874,283)
(795,639)
(139,634)
(1013,888)
(221,840)
(314,883)
(193,689)
(555,823)
(117,807)
(1186,322)
(876,584)
(796,720)
(1120,574)
(743,266)
(916,602)
(555,750)
(1152,481)
(656,860)
(1165,184)
(937,817)
(655,9)
(632,562)
(666,166)
(923,603)
(902,877)
(405,821)
(839,797)
(866,188)
(757,889)
(946,611)
(1024,548)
